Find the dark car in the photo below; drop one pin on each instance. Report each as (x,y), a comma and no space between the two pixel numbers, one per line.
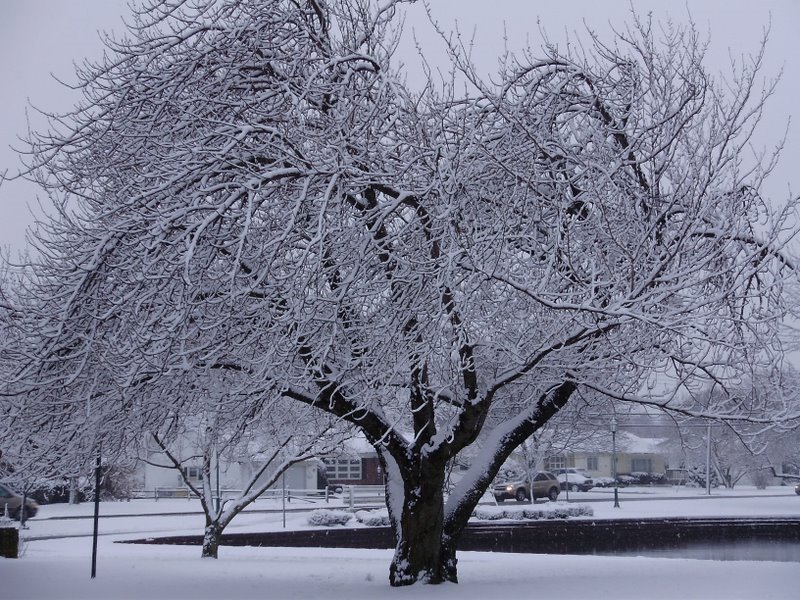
(12,501)
(797,489)
(545,485)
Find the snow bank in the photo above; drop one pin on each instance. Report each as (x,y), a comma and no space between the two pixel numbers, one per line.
(60,569)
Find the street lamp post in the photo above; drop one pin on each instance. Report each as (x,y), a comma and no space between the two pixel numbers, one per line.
(96,512)
(614,460)
(216,456)
(708,460)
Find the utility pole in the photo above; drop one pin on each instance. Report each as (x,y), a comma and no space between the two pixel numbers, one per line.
(216,456)
(614,460)
(96,512)
(708,460)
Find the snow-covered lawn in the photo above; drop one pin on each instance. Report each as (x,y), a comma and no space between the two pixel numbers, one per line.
(59,568)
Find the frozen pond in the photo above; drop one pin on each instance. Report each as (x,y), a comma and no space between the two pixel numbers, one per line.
(758,550)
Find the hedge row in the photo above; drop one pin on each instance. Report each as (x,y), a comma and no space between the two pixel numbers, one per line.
(380,518)
(547,511)
(329,518)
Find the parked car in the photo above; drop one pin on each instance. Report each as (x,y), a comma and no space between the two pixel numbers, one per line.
(574,480)
(545,485)
(625,480)
(603,481)
(13,501)
(797,489)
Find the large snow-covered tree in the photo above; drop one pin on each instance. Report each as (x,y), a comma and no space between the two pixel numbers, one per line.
(253,186)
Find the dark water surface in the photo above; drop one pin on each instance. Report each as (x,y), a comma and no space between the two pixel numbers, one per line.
(758,550)
(748,539)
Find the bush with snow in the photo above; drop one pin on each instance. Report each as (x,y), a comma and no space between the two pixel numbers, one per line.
(533,513)
(329,518)
(696,477)
(642,478)
(373,518)
(514,515)
(488,513)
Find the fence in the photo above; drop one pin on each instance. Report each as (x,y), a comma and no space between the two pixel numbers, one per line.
(363,494)
(352,495)
(273,494)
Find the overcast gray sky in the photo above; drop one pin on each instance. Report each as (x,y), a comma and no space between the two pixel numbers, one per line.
(40,37)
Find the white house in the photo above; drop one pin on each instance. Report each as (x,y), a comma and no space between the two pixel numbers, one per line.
(634,454)
(157,475)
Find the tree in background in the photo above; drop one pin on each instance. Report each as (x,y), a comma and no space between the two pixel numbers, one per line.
(743,451)
(259,436)
(254,187)
(40,459)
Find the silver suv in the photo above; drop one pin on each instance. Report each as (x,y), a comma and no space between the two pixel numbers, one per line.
(545,485)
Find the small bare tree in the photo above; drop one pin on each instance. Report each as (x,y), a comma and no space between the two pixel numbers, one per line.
(260,436)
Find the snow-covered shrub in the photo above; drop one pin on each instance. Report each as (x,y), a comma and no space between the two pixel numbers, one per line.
(560,512)
(583,510)
(488,513)
(696,477)
(118,483)
(643,478)
(534,513)
(328,518)
(373,518)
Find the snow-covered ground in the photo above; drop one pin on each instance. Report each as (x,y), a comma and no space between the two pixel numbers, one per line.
(59,568)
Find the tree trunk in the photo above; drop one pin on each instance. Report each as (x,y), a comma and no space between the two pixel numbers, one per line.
(419,556)
(73,491)
(211,539)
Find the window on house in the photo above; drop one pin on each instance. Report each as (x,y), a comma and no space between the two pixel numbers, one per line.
(343,468)
(193,473)
(641,465)
(555,462)
(591,463)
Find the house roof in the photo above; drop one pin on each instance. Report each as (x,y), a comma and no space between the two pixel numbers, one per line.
(639,445)
(627,442)
(358,445)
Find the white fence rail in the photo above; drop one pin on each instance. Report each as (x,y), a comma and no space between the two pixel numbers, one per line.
(188,493)
(352,495)
(363,494)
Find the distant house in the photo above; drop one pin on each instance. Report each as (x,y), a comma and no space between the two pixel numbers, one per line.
(634,455)
(157,474)
(357,464)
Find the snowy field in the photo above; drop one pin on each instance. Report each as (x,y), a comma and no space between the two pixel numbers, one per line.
(59,567)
